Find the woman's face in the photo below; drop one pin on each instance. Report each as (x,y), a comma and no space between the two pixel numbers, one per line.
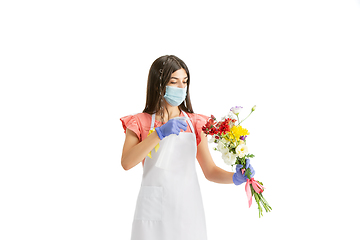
(178,79)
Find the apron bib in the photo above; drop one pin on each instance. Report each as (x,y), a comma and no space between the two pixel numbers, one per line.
(169,205)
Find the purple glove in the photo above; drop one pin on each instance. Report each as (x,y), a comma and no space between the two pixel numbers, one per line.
(238,177)
(173,126)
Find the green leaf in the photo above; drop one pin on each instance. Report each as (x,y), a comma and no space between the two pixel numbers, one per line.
(248,173)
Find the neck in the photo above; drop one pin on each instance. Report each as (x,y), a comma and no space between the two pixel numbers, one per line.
(170,112)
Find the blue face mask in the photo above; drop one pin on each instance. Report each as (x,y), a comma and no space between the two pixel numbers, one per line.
(174,95)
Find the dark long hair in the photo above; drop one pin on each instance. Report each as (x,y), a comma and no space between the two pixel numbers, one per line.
(159,76)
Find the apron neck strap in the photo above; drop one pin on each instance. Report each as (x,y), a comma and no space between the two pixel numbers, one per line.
(189,122)
(152,121)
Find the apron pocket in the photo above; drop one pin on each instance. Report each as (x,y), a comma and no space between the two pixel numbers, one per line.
(149,203)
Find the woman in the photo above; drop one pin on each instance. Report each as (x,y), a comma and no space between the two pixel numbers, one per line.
(169,204)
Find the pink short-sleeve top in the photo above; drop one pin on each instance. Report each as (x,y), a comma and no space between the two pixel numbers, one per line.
(140,124)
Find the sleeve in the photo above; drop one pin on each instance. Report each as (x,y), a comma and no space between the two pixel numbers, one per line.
(132,123)
(199,121)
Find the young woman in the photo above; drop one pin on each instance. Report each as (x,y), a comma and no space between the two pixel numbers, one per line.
(169,205)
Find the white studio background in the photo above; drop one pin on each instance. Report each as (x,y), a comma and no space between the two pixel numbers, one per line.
(70,69)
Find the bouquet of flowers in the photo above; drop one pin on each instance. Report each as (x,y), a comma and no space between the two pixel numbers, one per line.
(230,138)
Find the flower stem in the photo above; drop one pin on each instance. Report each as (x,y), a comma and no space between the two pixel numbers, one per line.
(246,117)
(261,201)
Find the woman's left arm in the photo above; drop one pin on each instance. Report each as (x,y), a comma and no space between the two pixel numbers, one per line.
(211,171)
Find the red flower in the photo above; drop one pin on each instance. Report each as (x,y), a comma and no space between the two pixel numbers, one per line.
(210,127)
(224,126)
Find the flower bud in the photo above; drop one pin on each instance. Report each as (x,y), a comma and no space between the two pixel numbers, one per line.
(253,108)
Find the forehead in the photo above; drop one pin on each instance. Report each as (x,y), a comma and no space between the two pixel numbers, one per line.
(179,73)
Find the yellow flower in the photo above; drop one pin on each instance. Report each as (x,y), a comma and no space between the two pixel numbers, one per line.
(157,146)
(238,131)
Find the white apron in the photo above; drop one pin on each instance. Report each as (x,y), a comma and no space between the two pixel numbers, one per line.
(169,205)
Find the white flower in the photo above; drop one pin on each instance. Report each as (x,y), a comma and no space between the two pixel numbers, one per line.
(229,115)
(229,158)
(236,110)
(241,150)
(222,147)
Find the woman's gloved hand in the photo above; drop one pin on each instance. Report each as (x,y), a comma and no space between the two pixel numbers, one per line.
(173,126)
(238,177)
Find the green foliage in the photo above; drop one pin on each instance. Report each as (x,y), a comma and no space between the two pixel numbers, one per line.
(248,173)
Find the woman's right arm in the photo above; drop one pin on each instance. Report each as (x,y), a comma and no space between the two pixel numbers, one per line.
(135,151)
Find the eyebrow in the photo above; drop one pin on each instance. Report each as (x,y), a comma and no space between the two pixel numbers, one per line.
(178,78)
